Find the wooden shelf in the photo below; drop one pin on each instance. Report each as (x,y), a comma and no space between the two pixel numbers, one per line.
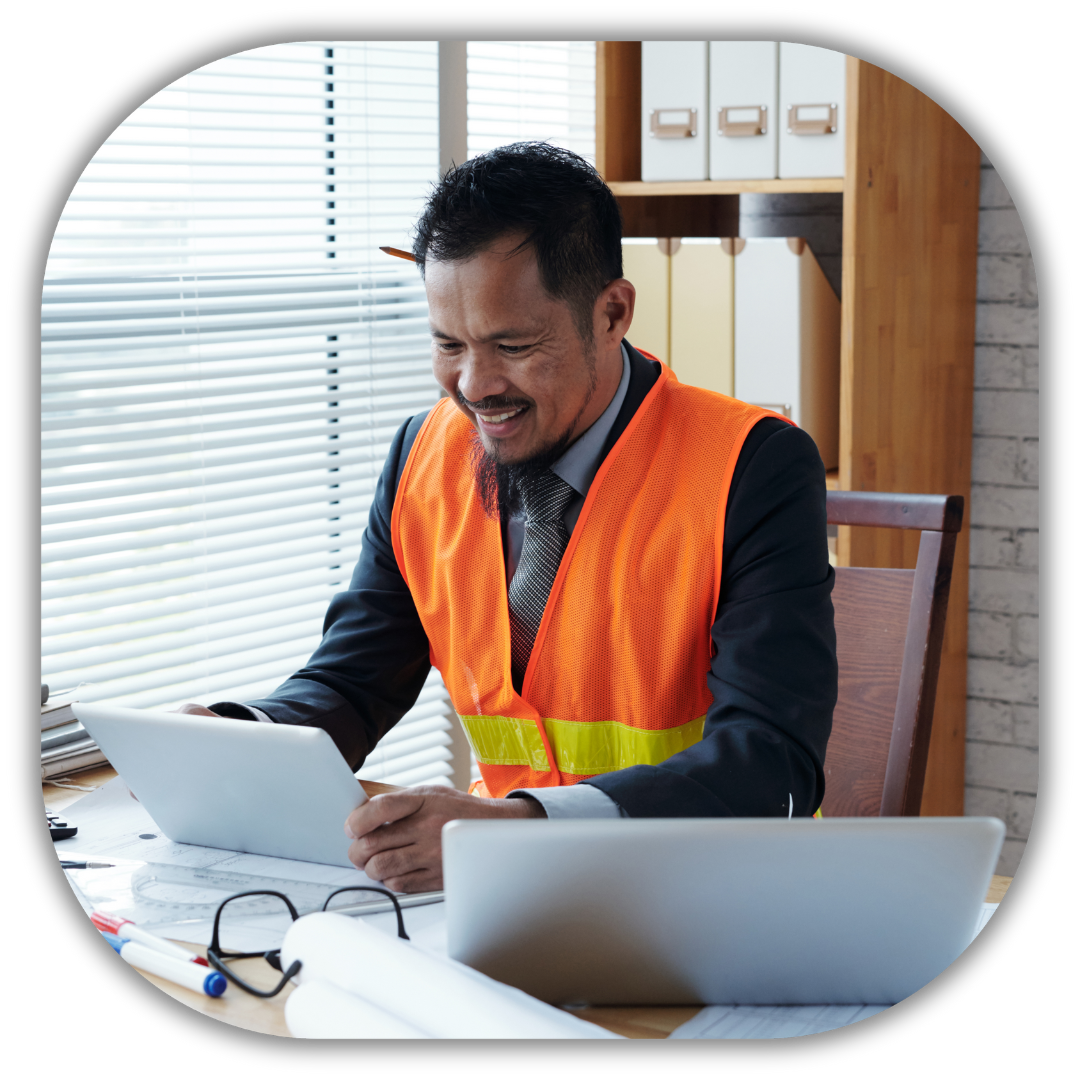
(911,216)
(810,185)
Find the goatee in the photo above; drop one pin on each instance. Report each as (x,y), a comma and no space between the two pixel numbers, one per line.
(499,484)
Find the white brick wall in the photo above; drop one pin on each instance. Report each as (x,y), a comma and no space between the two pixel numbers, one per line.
(1003,618)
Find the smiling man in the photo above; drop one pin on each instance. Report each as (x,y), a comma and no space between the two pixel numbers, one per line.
(623,581)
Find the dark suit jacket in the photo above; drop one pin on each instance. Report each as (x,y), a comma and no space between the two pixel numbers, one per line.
(773,678)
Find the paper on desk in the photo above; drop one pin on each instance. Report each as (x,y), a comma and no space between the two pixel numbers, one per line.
(173,889)
(984,918)
(771,1021)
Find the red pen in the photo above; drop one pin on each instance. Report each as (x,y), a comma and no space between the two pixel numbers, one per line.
(125,928)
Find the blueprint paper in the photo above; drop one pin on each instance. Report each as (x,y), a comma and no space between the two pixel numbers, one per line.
(173,889)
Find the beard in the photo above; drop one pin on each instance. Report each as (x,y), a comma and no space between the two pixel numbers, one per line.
(499,483)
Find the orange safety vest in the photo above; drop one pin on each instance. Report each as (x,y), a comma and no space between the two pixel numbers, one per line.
(617,672)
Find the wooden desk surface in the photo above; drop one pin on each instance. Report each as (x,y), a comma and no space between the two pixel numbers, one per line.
(268,1016)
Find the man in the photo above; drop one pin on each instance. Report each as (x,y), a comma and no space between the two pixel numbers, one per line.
(624,582)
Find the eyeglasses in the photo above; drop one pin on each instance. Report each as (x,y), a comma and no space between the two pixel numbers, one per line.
(242,906)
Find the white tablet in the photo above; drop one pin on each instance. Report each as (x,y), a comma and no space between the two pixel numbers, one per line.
(268,789)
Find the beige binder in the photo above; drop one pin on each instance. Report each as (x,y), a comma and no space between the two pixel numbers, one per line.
(684,312)
(754,319)
(703,314)
(647,267)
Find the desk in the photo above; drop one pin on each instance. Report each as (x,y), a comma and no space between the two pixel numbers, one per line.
(268,1016)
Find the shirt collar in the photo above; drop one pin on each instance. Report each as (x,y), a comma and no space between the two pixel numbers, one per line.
(579,464)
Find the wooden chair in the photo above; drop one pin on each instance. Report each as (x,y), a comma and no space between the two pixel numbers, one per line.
(890,625)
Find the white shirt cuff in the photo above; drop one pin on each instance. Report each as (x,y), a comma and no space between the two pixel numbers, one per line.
(259,715)
(576,801)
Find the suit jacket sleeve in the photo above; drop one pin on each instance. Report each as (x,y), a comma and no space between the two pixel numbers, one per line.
(773,677)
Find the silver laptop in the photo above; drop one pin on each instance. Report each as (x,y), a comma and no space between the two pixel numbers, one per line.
(268,789)
(749,911)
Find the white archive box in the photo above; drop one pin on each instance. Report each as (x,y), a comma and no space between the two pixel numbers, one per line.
(787,337)
(674,102)
(743,120)
(812,91)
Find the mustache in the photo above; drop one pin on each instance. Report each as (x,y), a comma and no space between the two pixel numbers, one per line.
(490,404)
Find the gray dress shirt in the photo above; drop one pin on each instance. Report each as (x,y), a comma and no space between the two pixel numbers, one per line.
(578,468)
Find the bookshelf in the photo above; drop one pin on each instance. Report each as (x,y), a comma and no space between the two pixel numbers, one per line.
(910,234)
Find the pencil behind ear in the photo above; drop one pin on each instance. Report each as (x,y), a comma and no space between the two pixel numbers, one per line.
(398,253)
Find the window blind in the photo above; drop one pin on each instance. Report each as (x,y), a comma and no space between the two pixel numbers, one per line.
(532,90)
(225,358)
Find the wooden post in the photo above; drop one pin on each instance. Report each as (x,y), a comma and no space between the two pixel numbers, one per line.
(911,213)
(618,110)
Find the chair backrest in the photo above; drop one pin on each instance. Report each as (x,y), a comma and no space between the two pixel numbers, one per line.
(890,625)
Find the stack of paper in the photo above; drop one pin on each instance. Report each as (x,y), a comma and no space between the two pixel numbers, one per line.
(66,746)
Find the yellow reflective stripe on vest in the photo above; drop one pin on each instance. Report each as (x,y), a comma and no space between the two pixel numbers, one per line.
(581,749)
(505,740)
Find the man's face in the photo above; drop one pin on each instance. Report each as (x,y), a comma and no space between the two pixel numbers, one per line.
(510,355)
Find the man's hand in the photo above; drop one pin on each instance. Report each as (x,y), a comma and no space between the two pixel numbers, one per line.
(397,838)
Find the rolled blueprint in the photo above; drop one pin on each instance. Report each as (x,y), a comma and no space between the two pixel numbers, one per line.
(320,1010)
(439,997)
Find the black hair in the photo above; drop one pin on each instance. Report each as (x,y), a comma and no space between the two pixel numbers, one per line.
(554,196)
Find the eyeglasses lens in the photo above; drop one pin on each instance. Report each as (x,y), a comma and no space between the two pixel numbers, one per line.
(253,923)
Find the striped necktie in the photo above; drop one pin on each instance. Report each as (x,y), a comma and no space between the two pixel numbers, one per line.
(544,501)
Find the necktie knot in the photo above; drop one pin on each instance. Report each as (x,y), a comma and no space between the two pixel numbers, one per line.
(545,498)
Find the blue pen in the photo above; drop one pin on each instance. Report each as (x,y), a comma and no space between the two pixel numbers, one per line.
(181,972)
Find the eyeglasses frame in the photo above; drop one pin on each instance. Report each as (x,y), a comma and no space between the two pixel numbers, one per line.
(216,956)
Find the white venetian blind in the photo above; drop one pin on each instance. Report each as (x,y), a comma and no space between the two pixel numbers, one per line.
(225,358)
(532,90)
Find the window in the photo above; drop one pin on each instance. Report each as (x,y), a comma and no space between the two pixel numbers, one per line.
(226,356)
(525,90)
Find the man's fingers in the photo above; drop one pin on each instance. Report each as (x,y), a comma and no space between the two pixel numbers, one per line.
(395,863)
(395,834)
(195,710)
(381,810)
(398,836)
(419,881)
